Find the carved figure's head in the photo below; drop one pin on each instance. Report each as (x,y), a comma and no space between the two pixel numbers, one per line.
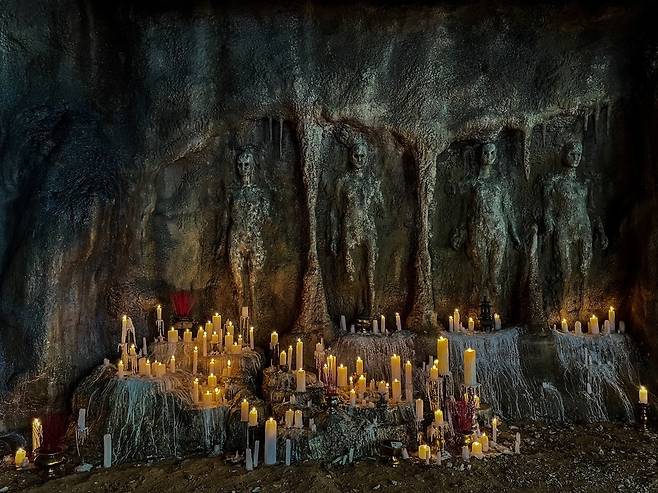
(246,167)
(359,155)
(488,154)
(572,153)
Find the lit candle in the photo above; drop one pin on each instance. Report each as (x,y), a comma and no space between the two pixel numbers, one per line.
(172,364)
(451,324)
(434,373)
(397,390)
(577,328)
(147,368)
(228,341)
(204,344)
(195,391)
(290,418)
(253,417)
(611,317)
(456,319)
(172,335)
(359,365)
(564,326)
(274,339)
(37,434)
(396,369)
(382,324)
(469,368)
(419,409)
(214,338)
(299,354)
(209,327)
(398,321)
(471,324)
(230,329)
(212,380)
(289,357)
(207,399)
(218,395)
(124,329)
(211,366)
(299,423)
(217,322)
(270,442)
(244,411)
(158,312)
(282,358)
(408,379)
(187,336)
(497,323)
(438,417)
(644,395)
(342,376)
(251,337)
(443,355)
(593,325)
(229,370)
(423,452)
(361,385)
(476,449)
(484,440)
(494,429)
(120,369)
(352,397)
(301,381)
(19,458)
(195,359)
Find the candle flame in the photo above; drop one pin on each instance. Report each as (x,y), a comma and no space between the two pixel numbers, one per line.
(643,388)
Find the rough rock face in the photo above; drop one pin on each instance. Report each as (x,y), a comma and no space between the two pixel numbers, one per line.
(121,127)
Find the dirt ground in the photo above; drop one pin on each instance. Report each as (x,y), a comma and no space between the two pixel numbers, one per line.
(596,458)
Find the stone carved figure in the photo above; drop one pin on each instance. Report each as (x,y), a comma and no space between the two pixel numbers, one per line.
(490,224)
(359,199)
(569,205)
(247,212)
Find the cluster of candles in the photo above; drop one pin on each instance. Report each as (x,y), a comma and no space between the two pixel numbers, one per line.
(593,328)
(378,326)
(455,323)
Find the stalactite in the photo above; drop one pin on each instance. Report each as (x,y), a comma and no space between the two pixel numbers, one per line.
(527,140)
(597,114)
(280,138)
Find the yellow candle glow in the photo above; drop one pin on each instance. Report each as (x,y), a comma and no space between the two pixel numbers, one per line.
(434,373)
(438,417)
(476,449)
(484,440)
(359,365)
(342,376)
(274,338)
(195,391)
(212,380)
(172,335)
(19,458)
(290,418)
(244,411)
(396,390)
(423,452)
(469,367)
(644,395)
(253,417)
(299,355)
(396,369)
(443,355)
(361,384)
(282,358)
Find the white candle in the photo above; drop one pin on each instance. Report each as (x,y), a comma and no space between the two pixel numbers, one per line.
(204,344)
(396,369)
(195,391)
(147,368)
(611,317)
(397,390)
(187,336)
(107,450)
(577,328)
(484,440)
(494,429)
(253,417)
(244,411)
(299,355)
(564,326)
(419,409)
(299,422)
(289,357)
(216,322)
(124,329)
(228,342)
(382,324)
(352,398)
(251,337)
(408,379)
(456,319)
(120,369)
(471,324)
(195,359)
(301,381)
(172,335)
(361,385)
(282,358)
(342,376)
(451,323)
(359,365)
(270,442)
(290,418)
(398,321)
(443,355)
(158,312)
(606,327)
(172,364)
(497,322)
(593,325)
(375,326)
(469,367)
(644,395)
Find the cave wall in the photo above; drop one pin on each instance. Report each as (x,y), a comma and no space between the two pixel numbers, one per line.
(121,127)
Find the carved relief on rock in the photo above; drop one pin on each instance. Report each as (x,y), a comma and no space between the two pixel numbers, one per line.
(571,225)
(359,201)
(489,225)
(247,211)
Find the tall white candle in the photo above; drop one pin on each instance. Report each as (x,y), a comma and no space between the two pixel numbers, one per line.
(158,312)
(289,357)
(299,355)
(396,390)
(352,397)
(204,344)
(593,325)
(342,376)
(301,381)
(290,418)
(564,326)
(361,385)
(419,409)
(471,324)
(396,369)
(494,429)
(251,337)
(216,322)
(611,317)
(244,411)
(408,379)
(195,391)
(497,322)
(124,329)
(456,319)
(299,419)
(107,450)
(382,324)
(398,321)
(469,367)
(195,359)
(270,442)
(443,355)
(120,369)
(172,364)
(577,327)
(359,365)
